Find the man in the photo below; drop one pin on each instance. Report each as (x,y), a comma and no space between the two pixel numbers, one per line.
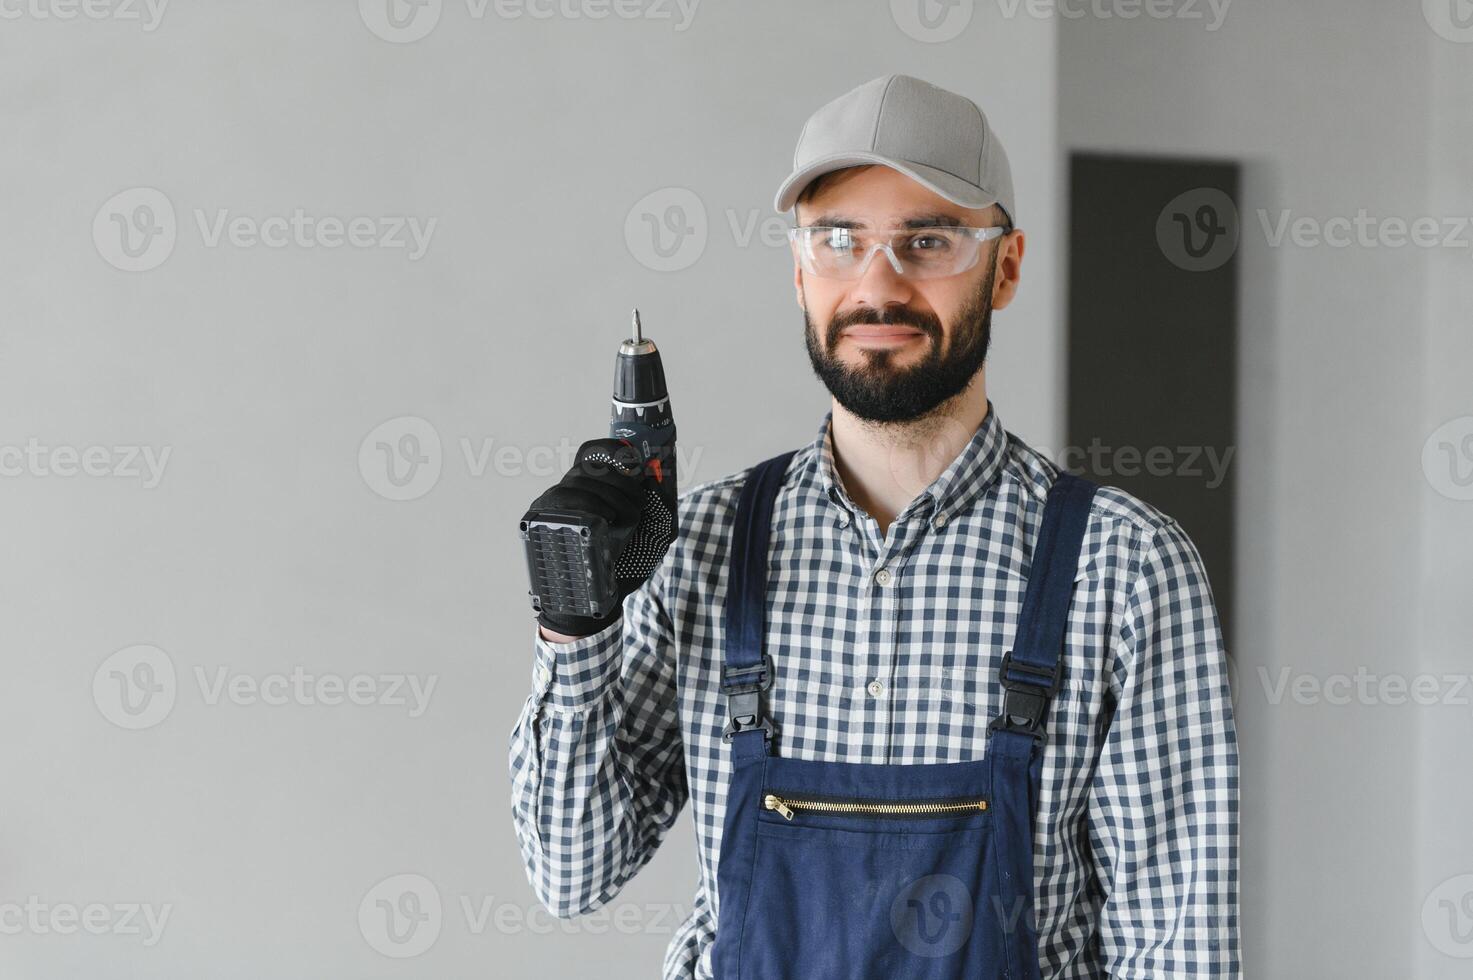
(903,546)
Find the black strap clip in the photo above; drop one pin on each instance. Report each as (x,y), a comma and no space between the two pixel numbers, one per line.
(743,687)
(1025,704)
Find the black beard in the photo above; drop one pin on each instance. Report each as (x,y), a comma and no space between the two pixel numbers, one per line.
(879,392)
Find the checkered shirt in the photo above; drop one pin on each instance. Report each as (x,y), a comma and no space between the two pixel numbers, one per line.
(1136,840)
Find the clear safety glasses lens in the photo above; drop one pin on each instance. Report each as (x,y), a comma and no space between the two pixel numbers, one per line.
(920,253)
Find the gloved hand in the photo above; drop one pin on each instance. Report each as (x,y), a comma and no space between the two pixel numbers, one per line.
(608,479)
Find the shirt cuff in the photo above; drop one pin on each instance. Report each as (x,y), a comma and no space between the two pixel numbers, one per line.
(573,676)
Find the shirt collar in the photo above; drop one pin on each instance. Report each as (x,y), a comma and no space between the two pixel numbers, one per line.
(973,469)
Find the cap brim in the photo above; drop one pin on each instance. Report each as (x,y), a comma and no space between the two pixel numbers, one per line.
(949,186)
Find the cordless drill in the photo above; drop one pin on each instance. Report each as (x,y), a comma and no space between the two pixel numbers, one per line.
(575,560)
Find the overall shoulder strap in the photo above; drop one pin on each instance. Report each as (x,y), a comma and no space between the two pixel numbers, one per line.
(1032,670)
(746,670)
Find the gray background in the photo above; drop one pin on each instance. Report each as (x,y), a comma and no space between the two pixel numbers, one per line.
(542,147)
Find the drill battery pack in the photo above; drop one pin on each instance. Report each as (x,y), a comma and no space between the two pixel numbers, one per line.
(570,561)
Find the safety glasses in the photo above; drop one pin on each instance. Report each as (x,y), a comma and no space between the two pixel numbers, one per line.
(920,253)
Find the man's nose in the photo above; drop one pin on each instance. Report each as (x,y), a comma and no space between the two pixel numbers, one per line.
(880,282)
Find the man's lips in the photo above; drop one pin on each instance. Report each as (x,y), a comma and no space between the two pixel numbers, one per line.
(882,333)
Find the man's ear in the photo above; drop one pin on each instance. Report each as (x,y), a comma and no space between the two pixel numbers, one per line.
(1009,261)
(797,278)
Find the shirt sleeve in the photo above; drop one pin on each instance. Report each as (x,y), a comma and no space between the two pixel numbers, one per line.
(596,758)
(1163,810)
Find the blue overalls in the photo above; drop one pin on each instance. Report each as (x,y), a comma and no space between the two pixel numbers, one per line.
(864,871)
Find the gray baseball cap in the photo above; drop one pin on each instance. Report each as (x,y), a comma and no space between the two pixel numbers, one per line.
(936,137)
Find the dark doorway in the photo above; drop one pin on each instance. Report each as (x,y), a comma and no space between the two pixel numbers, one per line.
(1152,337)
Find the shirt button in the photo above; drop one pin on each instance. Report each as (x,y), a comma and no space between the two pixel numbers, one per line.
(876,688)
(940,520)
(543,674)
(882,577)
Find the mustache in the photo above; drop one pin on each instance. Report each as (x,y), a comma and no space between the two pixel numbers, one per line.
(926,323)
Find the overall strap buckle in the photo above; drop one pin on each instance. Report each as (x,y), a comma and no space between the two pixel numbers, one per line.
(1025,703)
(743,687)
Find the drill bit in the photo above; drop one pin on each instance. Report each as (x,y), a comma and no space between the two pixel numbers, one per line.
(637,333)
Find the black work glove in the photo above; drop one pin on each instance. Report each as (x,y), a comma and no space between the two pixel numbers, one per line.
(608,479)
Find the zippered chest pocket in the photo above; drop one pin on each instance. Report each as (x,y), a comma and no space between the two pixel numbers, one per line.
(790,803)
(870,881)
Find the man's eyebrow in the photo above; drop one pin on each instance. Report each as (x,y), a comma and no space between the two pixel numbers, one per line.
(930,219)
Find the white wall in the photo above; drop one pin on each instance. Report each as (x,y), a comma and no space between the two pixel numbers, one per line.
(265,548)
(1445,863)
(1349,358)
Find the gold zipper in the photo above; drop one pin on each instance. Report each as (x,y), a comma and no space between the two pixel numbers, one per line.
(786,806)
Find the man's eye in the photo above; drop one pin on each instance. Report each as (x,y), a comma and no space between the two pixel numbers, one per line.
(929,243)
